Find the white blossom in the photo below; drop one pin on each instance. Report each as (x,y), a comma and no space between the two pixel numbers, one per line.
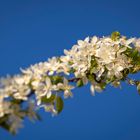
(44,89)
(67,88)
(95,60)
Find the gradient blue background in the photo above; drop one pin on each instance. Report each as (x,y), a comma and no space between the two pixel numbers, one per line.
(32,31)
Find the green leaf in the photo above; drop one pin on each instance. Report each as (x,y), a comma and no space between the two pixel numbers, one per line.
(103,85)
(72,70)
(59,104)
(138,88)
(91,77)
(3,119)
(5,126)
(125,73)
(56,79)
(115,35)
(134,55)
(70,62)
(109,80)
(48,100)
(93,66)
(80,83)
(16,101)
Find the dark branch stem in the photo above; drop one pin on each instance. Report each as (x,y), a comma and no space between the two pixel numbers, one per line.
(74,79)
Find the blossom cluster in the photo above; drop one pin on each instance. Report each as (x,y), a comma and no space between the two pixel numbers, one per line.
(94,60)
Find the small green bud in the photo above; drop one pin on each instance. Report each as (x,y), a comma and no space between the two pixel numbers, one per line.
(115,35)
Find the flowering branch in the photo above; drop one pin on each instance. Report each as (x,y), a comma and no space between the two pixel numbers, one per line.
(98,61)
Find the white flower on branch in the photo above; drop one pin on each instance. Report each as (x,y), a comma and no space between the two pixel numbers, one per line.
(44,89)
(98,61)
(66,87)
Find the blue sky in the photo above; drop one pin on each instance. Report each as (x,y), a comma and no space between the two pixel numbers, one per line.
(31,31)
